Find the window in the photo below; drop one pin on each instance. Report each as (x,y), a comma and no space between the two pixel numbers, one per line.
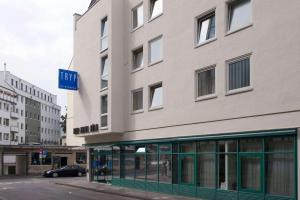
(104,34)
(280,166)
(80,157)
(239,14)
(156,96)
(0,136)
(21,86)
(140,162)
(137,100)
(137,16)
(104,111)
(156,8)
(206,28)
(12,82)
(156,50)
(104,72)
(35,159)
(6,136)
(227,165)
(137,59)
(239,73)
(205,81)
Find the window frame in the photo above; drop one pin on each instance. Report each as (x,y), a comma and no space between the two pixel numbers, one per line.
(133,53)
(228,18)
(200,18)
(103,58)
(208,96)
(150,10)
(102,114)
(132,100)
(103,37)
(141,4)
(150,99)
(160,37)
(243,89)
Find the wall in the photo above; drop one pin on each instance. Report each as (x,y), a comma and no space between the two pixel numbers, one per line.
(271,104)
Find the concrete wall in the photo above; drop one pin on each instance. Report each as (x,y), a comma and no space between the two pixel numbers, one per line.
(270,104)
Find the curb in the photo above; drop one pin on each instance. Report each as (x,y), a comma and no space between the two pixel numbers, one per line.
(104,192)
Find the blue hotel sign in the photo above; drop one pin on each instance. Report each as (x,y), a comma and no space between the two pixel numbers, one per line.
(67,79)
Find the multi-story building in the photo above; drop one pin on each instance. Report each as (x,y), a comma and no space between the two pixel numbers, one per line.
(10,134)
(189,97)
(34,115)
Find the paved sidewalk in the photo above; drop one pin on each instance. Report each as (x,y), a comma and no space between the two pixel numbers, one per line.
(118,191)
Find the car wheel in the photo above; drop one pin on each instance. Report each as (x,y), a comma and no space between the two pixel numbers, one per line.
(54,175)
(79,174)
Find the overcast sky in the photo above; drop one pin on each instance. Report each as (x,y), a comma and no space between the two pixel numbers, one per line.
(36,39)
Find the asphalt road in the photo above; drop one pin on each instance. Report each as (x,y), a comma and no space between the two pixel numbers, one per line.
(46,189)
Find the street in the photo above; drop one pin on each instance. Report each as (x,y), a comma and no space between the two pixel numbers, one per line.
(45,188)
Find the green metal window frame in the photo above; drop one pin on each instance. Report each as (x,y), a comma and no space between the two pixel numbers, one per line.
(194,189)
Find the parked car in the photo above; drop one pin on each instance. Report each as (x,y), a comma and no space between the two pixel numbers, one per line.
(69,170)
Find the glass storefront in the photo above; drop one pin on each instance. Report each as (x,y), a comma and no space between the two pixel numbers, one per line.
(263,166)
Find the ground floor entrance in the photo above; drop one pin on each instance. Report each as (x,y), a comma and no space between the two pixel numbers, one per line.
(257,165)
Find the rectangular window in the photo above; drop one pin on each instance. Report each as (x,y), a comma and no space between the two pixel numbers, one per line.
(0,136)
(280,166)
(239,14)
(137,100)
(138,16)
(156,50)
(104,72)
(137,58)
(165,168)
(35,158)
(206,28)
(205,81)
(239,73)
(140,163)
(156,8)
(104,111)
(156,96)
(81,157)
(104,34)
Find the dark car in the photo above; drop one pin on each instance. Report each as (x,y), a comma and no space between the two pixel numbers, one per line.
(69,170)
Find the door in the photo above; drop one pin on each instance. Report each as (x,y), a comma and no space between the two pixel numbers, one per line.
(251,172)
(63,161)
(187,170)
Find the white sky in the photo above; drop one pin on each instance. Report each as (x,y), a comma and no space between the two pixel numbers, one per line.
(36,39)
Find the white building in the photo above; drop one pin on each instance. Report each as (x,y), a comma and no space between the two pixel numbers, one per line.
(34,115)
(190,97)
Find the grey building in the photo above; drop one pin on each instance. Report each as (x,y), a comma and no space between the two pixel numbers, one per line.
(32,121)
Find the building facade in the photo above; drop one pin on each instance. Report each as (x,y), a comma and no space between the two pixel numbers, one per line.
(35,159)
(193,98)
(34,114)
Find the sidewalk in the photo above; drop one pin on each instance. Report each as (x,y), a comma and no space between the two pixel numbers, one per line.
(118,191)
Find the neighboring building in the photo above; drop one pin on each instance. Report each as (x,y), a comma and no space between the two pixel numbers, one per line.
(34,114)
(194,98)
(35,159)
(10,134)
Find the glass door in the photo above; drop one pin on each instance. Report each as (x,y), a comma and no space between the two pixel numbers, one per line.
(251,173)
(187,169)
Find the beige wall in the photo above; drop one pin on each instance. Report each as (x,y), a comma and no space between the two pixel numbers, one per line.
(71,140)
(272,104)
